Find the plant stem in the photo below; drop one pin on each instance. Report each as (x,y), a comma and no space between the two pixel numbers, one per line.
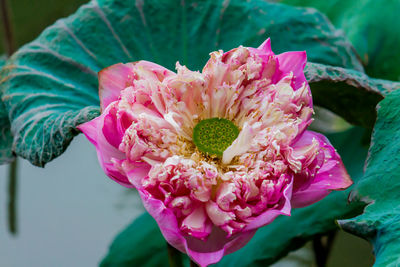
(323,249)
(12,171)
(174,257)
(12,197)
(193,264)
(7,28)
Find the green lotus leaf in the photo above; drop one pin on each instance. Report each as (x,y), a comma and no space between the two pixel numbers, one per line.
(380,187)
(6,156)
(373,27)
(131,247)
(348,93)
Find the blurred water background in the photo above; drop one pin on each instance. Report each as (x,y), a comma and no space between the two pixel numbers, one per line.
(68,212)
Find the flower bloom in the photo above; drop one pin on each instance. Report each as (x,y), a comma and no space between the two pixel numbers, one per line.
(215,154)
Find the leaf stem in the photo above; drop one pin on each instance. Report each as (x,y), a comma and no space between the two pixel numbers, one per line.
(7,28)
(174,257)
(193,264)
(322,246)
(12,197)
(12,171)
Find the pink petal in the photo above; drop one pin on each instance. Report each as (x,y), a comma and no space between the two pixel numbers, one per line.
(135,172)
(218,216)
(264,50)
(307,197)
(241,144)
(293,62)
(165,219)
(198,223)
(160,72)
(268,216)
(216,246)
(331,176)
(203,252)
(112,80)
(187,87)
(119,76)
(265,47)
(105,151)
(111,130)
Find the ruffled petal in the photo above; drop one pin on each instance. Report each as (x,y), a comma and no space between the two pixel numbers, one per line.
(187,87)
(197,223)
(241,144)
(106,152)
(135,172)
(165,219)
(152,69)
(112,130)
(202,252)
(331,174)
(112,80)
(216,246)
(269,215)
(119,76)
(293,62)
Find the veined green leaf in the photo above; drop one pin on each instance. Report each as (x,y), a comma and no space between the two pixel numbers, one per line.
(348,93)
(380,186)
(373,27)
(140,244)
(6,139)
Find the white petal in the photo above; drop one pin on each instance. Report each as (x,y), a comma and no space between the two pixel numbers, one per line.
(242,143)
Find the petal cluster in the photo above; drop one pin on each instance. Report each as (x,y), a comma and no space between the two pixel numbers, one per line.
(209,206)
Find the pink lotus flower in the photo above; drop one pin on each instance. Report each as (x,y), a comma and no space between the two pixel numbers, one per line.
(215,154)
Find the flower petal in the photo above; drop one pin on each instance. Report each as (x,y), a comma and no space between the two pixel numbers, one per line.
(112,130)
(269,215)
(198,223)
(242,143)
(93,130)
(203,252)
(293,62)
(332,175)
(217,245)
(265,47)
(165,219)
(135,172)
(112,80)
(119,76)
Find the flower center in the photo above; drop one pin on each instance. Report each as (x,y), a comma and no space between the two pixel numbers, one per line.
(213,136)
